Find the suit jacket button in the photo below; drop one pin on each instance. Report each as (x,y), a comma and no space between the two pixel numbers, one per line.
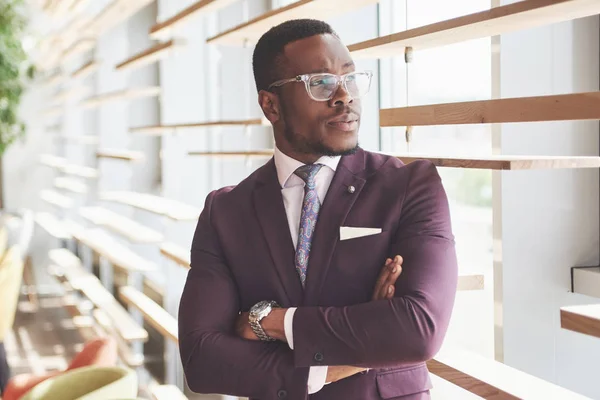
(282,394)
(319,357)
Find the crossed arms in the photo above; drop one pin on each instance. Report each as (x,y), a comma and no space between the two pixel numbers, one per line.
(408,328)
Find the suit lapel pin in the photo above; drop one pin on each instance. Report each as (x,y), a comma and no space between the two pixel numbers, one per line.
(351,189)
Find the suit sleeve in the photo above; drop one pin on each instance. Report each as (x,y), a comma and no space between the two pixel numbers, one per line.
(409,328)
(214,359)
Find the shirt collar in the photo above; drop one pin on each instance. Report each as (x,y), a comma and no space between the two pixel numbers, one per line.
(286,165)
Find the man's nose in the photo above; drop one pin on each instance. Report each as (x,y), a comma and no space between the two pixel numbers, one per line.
(341,97)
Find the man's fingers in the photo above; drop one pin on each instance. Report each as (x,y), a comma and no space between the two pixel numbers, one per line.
(387,287)
(383,275)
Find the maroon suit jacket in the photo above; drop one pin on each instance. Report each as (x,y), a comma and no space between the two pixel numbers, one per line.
(242,253)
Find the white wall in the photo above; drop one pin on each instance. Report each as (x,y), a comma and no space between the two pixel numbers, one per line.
(549,219)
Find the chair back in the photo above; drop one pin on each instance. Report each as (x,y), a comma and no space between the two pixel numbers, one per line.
(88,383)
(11,277)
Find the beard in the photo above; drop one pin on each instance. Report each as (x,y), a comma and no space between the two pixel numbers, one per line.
(304,145)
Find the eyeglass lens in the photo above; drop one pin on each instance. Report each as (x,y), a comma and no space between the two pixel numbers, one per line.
(323,87)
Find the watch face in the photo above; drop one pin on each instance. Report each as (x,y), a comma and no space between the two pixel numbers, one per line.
(260,309)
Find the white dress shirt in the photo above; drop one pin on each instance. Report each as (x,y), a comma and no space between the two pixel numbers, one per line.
(292,190)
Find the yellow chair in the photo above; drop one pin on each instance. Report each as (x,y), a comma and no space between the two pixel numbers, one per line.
(88,383)
(11,276)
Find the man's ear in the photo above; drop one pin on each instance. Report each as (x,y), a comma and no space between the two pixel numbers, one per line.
(269,102)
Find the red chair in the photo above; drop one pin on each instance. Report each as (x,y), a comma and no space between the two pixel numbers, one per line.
(100,352)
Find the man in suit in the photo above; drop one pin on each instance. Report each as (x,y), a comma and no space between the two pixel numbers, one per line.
(286,297)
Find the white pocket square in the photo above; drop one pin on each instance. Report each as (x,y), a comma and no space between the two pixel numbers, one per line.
(349,232)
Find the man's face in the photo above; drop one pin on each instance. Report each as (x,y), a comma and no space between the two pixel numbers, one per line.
(311,127)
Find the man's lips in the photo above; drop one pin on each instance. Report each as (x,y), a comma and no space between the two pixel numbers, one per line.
(345,123)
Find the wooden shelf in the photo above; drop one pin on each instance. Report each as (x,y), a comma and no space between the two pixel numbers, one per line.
(114,13)
(52,225)
(81,46)
(127,94)
(252,153)
(586,281)
(176,253)
(129,229)
(565,107)
(583,319)
(92,288)
(507,163)
(123,155)
(154,53)
(153,313)
(496,21)
(117,254)
(160,129)
(56,199)
(470,282)
(52,161)
(493,380)
(444,390)
(252,30)
(72,185)
(173,209)
(85,70)
(163,29)
(490,162)
(167,392)
(78,170)
(78,139)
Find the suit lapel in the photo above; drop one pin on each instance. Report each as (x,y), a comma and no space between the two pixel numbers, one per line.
(270,211)
(335,208)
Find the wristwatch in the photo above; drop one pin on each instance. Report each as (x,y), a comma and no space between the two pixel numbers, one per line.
(259,311)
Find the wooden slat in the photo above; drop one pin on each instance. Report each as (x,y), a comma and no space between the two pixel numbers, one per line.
(444,390)
(121,225)
(496,21)
(71,92)
(72,185)
(493,380)
(160,129)
(176,253)
(154,53)
(118,255)
(108,327)
(81,46)
(586,281)
(489,162)
(52,225)
(56,199)
(52,161)
(153,313)
(78,139)
(511,163)
(120,154)
(583,319)
(85,70)
(173,209)
(579,106)
(164,28)
(126,94)
(252,30)
(79,170)
(167,392)
(470,282)
(114,13)
(92,288)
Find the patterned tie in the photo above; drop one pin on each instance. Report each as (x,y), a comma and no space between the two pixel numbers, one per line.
(308,217)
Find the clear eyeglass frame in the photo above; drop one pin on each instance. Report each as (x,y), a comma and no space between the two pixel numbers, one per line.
(340,80)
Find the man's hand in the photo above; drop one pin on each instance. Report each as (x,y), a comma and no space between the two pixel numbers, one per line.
(243,329)
(384,287)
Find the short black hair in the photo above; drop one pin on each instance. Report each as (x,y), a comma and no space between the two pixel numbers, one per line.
(269,48)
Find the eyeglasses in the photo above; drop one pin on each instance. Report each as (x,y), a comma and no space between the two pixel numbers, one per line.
(323,86)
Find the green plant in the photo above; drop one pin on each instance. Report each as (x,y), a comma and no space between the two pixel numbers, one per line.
(13,71)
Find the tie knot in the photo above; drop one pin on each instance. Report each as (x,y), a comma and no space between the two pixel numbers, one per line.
(308,172)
